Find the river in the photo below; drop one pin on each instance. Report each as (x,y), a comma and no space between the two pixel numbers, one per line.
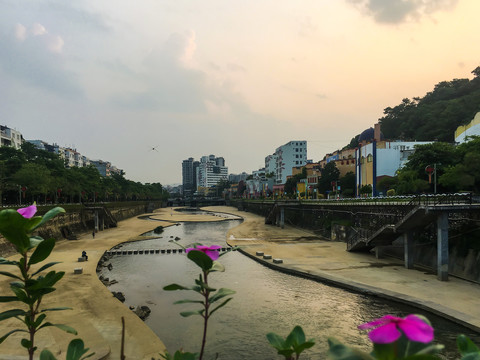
(265,301)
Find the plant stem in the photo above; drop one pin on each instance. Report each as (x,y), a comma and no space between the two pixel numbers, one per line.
(32,309)
(205,316)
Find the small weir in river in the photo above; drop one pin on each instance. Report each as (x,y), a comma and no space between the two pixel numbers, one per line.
(265,300)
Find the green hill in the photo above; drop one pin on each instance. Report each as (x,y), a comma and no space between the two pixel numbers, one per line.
(437,115)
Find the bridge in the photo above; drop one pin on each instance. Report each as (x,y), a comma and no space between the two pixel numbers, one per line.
(374,223)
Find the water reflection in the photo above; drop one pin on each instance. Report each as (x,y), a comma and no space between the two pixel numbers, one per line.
(265,301)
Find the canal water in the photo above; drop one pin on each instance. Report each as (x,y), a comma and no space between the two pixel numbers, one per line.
(265,301)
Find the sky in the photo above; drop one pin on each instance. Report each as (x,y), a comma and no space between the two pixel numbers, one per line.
(146,84)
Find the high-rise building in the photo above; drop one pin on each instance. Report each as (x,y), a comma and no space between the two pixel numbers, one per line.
(286,157)
(188,177)
(210,171)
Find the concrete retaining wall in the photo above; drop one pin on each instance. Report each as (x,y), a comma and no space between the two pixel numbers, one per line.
(67,225)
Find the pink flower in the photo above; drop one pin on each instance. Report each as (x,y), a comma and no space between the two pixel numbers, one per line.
(28,212)
(211,251)
(386,329)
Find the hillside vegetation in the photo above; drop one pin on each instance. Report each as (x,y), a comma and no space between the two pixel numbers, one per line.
(437,115)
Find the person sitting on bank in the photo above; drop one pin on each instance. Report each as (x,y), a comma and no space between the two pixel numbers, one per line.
(84,255)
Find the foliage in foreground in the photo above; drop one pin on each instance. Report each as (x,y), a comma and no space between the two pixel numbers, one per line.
(30,286)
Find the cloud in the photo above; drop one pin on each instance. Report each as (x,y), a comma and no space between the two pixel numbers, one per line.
(398,11)
(20,32)
(38,29)
(35,59)
(235,67)
(168,80)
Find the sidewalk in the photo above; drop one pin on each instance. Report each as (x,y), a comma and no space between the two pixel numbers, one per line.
(329,262)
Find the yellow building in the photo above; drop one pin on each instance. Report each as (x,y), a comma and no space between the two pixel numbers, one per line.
(471,129)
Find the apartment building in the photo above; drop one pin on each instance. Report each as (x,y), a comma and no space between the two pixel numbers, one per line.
(210,171)
(288,156)
(10,137)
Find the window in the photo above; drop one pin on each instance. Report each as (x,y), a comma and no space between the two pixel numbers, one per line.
(370,158)
(362,160)
(296,156)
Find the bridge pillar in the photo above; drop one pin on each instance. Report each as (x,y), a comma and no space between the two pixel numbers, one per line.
(95,220)
(282,217)
(408,249)
(442,246)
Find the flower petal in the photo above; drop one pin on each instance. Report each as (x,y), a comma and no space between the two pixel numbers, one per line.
(416,330)
(385,334)
(213,254)
(382,321)
(28,212)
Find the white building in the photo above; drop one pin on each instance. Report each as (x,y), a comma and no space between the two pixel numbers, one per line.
(288,156)
(10,137)
(271,164)
(471,129)
(210,171)
(377,159)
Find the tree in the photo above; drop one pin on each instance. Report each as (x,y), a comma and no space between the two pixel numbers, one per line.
(348,184)
(410,183)
(329,174)
(386,183)
(36,178)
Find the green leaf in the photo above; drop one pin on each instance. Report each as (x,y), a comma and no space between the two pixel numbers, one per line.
(47,355)
(220,294)
(56,309)
(34,241)
(13,228)
(220,306)
(63,327)
(4,261)
(4,299)
(49,215)
(471,356)
(10,275)
(42,251)
(287,353)
(217,266)
(419,356)
(39,320)
(2,339)
(204,285)
(43,282)
(20,294)
(32,223)
(465,345)
(389,351)
(276,341)
(12,313)
(338,351)
(76,349)
(306,345)
(185,356)
(172,287)
(296,337)
(46,266)
(188,302)
(27,344)
(190,313)
(201,259)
